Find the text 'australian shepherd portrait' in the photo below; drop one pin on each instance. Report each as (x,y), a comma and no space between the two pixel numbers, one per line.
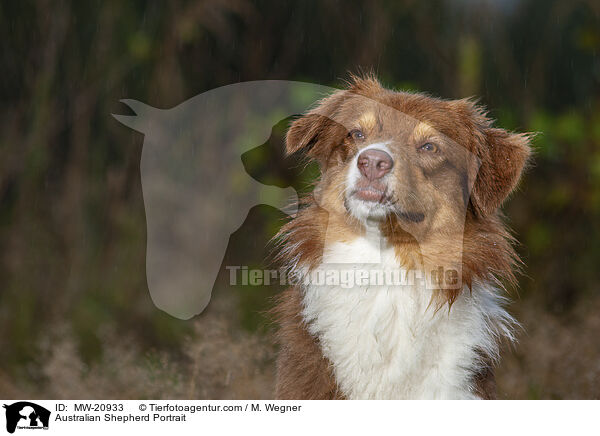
(399,256)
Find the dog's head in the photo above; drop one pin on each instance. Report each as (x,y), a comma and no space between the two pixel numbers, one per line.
(423,163)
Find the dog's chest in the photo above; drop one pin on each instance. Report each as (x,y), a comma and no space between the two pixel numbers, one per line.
(385,341)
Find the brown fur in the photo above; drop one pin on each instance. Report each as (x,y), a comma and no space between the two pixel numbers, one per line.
(487,253)
(485,381)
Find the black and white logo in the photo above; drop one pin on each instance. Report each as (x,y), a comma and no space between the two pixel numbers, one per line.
(26,415)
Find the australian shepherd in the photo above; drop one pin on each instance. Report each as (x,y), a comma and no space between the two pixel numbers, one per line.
(399,255)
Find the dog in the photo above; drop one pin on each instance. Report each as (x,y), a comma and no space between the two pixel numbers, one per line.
(410,185)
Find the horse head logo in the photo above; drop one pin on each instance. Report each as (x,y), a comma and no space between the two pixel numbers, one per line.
(195,188)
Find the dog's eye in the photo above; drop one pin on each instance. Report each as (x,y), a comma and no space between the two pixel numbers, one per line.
(357,135)
(428,147)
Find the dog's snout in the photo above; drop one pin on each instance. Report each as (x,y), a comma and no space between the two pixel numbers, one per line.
(374,164)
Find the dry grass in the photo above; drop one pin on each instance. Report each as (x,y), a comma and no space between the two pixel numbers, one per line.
(556,358)
(220,362)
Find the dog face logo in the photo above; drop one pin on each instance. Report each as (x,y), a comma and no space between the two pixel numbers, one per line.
(196,190)
(26,415)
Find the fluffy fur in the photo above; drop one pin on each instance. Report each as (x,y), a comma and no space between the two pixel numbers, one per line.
(438,208)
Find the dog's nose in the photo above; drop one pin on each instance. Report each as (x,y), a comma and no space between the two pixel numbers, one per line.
(374,164)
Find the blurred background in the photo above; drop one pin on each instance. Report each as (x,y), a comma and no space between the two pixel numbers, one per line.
(76,319)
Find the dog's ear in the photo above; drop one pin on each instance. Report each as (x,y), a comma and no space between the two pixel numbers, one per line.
(315,131)
(503,156)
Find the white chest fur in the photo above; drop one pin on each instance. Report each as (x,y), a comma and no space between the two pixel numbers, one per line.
(385,342)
